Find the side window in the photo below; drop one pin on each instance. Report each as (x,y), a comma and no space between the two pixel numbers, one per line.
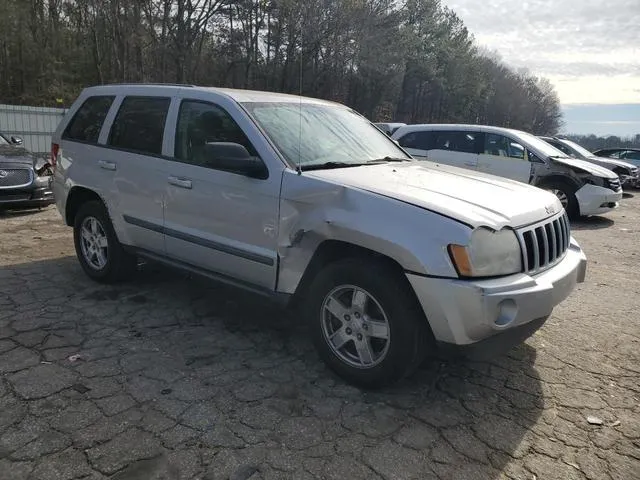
(456,141)
(417,140)
(139,124)
(502,146)
(86,124)
(200,123)
(563,148)
(631,155)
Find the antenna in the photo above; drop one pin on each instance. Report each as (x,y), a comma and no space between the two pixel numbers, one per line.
(300,98)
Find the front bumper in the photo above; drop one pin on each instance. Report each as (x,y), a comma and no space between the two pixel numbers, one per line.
(29,197)
(468,313)
(594,200)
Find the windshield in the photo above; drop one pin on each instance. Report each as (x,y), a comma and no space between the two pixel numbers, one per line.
(541,146)
(583,152)
(312,134)
(3,141)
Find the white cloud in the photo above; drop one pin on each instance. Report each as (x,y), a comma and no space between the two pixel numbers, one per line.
(589,49)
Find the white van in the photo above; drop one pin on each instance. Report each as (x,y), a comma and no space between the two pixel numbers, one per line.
(581,187)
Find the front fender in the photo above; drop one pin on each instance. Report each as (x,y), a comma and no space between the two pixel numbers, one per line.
(313,211)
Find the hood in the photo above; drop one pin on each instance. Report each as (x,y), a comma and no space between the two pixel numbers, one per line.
(14,154)
(613,162)
(586,166)
(476,199)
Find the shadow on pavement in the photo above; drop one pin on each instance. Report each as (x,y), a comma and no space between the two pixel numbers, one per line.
(185,341)
(22,212)
(592,223)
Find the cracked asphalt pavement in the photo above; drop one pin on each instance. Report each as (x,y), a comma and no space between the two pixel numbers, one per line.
(172,377)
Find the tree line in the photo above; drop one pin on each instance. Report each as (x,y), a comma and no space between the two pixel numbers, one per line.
(594,142)
(408,61)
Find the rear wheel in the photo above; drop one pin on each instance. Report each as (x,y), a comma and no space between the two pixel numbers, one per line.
(100,253)
(567,196)
(367,326)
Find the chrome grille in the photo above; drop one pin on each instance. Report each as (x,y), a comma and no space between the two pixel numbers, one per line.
(15,177)
(614,184)
(545,243)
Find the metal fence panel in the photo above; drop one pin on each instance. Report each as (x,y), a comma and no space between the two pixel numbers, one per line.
(34,124)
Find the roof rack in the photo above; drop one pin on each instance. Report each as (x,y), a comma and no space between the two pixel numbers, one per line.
(146,84)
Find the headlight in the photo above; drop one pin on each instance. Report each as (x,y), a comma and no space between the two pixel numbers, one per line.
(489,253)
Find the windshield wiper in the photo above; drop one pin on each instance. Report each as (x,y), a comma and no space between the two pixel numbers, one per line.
(329,165)
(389,159)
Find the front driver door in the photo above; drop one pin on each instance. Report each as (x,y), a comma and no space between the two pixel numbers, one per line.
(216,220)
(504,157)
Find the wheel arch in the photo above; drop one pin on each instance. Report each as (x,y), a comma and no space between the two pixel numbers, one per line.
(76,198)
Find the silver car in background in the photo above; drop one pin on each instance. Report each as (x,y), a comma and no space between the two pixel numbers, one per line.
(626,171)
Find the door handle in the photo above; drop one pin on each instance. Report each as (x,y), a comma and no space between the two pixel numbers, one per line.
(107,165)
(180,182)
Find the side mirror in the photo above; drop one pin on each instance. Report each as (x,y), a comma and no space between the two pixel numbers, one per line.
(234,158)
(16,140)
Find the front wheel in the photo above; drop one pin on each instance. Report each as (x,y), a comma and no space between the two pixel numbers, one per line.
(366,324)
(567,196)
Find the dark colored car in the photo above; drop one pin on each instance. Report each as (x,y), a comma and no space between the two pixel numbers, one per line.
(631,155)
(627,171)
(25,178)
(11,139)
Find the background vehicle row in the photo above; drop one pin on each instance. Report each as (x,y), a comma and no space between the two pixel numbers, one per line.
(583,188)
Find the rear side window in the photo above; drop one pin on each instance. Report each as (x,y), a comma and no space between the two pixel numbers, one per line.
(86,124)
(417,140)
(465,142)
(139,124)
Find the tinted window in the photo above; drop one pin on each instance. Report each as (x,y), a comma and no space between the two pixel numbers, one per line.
(502,146)
(200,123)
(563,148)
(87,122)
(631,155)
(456,141)
(417,140)
(139,124)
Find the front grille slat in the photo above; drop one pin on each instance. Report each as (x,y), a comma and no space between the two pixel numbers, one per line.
(551,230)
(14,177)
(544,244)
(536,250)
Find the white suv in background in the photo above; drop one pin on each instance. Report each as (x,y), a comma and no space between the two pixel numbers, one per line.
(583,188)
(301,199)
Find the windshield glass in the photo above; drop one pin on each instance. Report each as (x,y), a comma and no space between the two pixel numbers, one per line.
(312,134)
(3,141)
(581,150)
(541,146)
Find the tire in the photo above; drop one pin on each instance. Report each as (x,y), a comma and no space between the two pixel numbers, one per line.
(113,263)
(388,296)
(567,196)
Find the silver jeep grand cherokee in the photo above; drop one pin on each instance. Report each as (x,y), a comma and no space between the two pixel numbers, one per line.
(299,198)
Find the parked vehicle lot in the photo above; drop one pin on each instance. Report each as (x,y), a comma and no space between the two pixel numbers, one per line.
(173,377)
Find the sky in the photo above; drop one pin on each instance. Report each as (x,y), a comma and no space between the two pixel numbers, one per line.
(589,50)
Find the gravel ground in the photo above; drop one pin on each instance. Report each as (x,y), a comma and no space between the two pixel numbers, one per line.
(171,377)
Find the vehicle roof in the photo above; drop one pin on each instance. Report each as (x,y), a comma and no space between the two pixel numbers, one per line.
(239,95)
(457,126)
(618,149)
